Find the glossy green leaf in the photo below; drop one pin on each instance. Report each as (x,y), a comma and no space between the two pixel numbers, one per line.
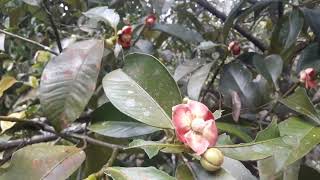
(312,17)
(103,13)
(44,161)
(272,131)
(179,32)
(33,2)
(285,34)
(107,112)
(122,129)
(310,57)
(300,102)
(197,80)
(235,130)
(270,68)
(69,80)
(236,77)
(230,170)
(186,68)
(143,90)
(152,148)
(137,173)
(303,136)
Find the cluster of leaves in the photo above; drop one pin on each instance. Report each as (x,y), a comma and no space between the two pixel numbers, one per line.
(72,107)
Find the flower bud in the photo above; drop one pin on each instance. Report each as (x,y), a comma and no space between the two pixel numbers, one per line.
(212,159)
(234,47)
(150,20)
(110,42)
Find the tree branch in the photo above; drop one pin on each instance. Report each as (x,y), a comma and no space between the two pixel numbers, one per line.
(46,48)
(223,17)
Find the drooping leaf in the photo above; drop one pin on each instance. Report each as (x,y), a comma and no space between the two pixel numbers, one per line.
(137,173)
(69,80)
(104,14)
(310,58)
(285,34)
(152,148)
(44,161)
(143,90)
(197,80)
(236,77)
(122,129)
(312,17)
(5,83)
(233,129)
(300,102)
(180,32)
(270,68)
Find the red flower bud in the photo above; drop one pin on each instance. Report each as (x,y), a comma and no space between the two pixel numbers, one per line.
(308,77)
(150,20)
(125,36)
(234,47)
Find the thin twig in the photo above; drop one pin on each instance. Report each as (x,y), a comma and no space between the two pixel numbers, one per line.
(53,25)
(46,48)
(223,17)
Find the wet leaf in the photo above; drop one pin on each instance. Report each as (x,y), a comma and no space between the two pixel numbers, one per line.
(300,102)
(122,129)
(44,161)
(144,90)
(137,173)
(180,32)
(197,80)
(103,13)
(69,80)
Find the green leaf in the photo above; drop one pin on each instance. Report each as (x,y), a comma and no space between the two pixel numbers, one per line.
(303,136)
(107,112)
(186,68)
(300,102)
(5,83)
(44,161)
(229,22)
(120,129)
(152,148)
(230,170)
(224,139)
(69,80)
(137,173)
(285,34)
(143,90)
(33,2)
(272,131)
(103,13)
(270,68)
(197,80)
(183,173)
(236,77)
(235,130)
(309,58)
(312,17)
(180,32)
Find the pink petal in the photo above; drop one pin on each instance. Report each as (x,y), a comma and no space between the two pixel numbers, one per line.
(181,118)
(196,142)
(210,132)
(200,110)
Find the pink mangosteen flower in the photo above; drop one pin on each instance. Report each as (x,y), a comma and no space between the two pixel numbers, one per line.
(195,126)
(308,77)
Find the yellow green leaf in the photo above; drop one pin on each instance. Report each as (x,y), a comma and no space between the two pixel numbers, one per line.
(5,83)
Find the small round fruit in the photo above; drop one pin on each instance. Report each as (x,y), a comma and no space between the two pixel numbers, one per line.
(150,20)
(212,159)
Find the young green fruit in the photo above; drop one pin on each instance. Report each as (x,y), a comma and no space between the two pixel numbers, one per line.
(212,159)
